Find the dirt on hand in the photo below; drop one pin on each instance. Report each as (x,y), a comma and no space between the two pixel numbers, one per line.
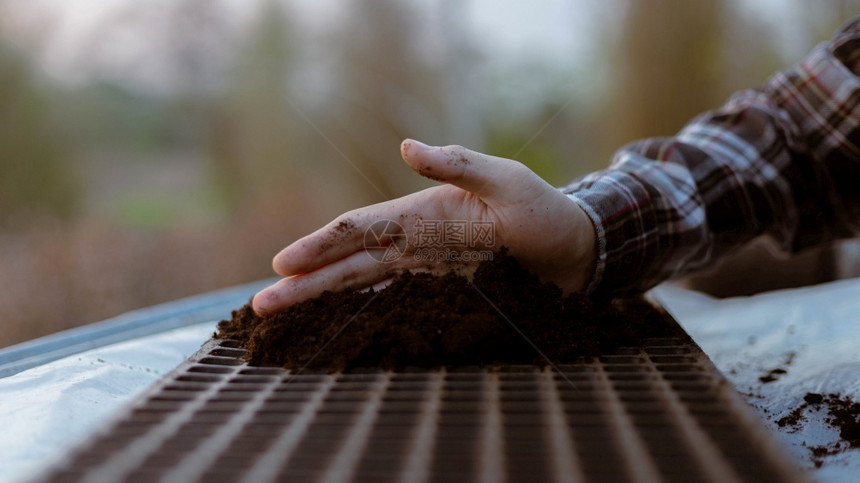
(504,315)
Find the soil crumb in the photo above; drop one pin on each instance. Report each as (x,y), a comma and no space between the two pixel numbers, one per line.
(843,414)
(794,418)
(772,375)
(425,321)
(822,451)
(813,398)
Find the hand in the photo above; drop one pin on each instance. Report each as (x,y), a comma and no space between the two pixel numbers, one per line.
(548,232)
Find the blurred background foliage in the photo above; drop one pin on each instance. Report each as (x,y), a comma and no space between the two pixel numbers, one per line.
(150,151)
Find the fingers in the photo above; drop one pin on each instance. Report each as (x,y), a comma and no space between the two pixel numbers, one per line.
(346,235)
(478,173)
(358,270)
(330,243)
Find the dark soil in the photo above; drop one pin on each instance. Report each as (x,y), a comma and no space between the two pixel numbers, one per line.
(772,375)
(421,320)
(796,416)
(776,373)
(843,414)
(822,451)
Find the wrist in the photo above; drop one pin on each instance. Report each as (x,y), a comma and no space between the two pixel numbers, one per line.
(590,241)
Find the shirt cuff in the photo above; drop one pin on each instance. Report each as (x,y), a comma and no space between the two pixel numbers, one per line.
(600,234)
(621,208)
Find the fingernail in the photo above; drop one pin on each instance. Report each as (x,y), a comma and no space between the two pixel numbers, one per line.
(260,302)
(419,145)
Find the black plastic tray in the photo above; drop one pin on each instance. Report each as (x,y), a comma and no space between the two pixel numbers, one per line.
(657,413)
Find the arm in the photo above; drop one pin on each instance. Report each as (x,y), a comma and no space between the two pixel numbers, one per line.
(782,160)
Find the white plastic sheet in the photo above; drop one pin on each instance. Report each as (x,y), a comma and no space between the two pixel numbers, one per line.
(812,333)
(46,410)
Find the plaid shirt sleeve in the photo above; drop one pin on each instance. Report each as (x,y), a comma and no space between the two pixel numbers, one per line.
(780,160)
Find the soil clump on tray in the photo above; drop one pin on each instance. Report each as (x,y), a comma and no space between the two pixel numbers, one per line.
(843,414)
(425,321)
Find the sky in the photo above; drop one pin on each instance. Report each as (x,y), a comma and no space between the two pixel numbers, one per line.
(60,32)
(62,35)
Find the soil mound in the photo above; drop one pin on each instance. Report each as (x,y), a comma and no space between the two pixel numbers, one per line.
(502,316)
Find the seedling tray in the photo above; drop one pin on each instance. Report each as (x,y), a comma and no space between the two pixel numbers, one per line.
(660,412)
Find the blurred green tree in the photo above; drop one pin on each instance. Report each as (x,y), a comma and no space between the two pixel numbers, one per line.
(35,178)
(391,85)
(665,67)
(252,131)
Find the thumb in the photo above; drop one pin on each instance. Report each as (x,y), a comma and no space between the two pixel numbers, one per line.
(478,173)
